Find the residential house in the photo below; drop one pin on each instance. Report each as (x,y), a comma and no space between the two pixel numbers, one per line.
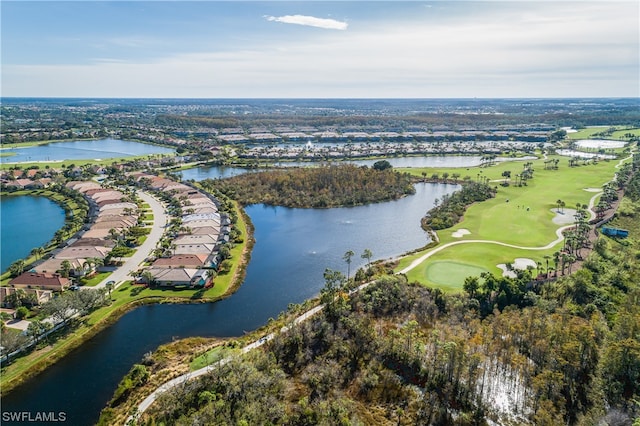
(204,216)
(117,205)
(83,252)
(196,239)
(194,248)
(54,266)
(42,296)
(53,282)
(174,277)
(184,261)
(203,230)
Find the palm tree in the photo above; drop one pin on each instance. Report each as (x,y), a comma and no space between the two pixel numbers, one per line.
(572,259)
(148,277)
(109,287)
(87,266)
(367,254)
(546,258)
(36,252)
(65,268)
(347,258)
(17,267)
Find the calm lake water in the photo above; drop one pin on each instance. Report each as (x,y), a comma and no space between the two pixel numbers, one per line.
(458,161)
(293,248)
(83,150)
(26,222)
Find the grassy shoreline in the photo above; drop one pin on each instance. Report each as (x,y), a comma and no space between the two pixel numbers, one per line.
(66,203)
(27,367)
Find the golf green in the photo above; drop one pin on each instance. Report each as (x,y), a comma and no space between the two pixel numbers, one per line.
(451,274)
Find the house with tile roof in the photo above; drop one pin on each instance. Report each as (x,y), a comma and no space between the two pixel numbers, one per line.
(53,282)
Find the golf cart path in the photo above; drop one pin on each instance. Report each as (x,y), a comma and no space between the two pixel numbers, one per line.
(559,232)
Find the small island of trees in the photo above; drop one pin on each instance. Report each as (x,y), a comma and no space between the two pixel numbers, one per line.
(320,187)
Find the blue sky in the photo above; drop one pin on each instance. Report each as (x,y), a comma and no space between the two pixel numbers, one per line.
(212,49)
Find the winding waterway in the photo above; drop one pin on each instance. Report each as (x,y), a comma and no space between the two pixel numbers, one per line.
(26,222)
(293,247)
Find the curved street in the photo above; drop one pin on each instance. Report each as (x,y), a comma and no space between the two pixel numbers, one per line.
(132,263)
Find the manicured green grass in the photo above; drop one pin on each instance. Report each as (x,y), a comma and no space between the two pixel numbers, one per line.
(450,275)
(480,256)
(586,133)
(524,220)
(620,134)
(77,162)
(96,279)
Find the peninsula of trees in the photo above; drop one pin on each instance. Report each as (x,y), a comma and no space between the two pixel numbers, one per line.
(326,186)
(452,207)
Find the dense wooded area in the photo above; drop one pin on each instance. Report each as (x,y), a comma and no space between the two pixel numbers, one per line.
(448,211)
(507,350)
(317,187)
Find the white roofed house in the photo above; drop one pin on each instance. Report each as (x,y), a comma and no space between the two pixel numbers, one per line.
(194,248)
(179,277)
(196,239)
(201,216)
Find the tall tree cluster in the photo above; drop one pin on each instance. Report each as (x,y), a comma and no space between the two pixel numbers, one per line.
(317,187)
(450,209)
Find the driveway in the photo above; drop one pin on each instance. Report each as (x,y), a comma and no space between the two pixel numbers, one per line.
(160,219)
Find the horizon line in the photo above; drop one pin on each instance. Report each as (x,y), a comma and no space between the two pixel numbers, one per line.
(318,98)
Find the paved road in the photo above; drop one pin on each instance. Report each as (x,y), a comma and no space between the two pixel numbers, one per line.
(132,263)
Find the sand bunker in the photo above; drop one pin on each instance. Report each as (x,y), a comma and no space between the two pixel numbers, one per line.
(592,189)
(563,216)
(460,233)
(520,263)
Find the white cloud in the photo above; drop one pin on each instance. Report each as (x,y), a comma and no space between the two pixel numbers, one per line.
(311,21)
(555,51)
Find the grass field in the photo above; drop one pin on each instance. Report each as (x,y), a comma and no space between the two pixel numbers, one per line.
(588,132)
(521,216)
(448,273)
